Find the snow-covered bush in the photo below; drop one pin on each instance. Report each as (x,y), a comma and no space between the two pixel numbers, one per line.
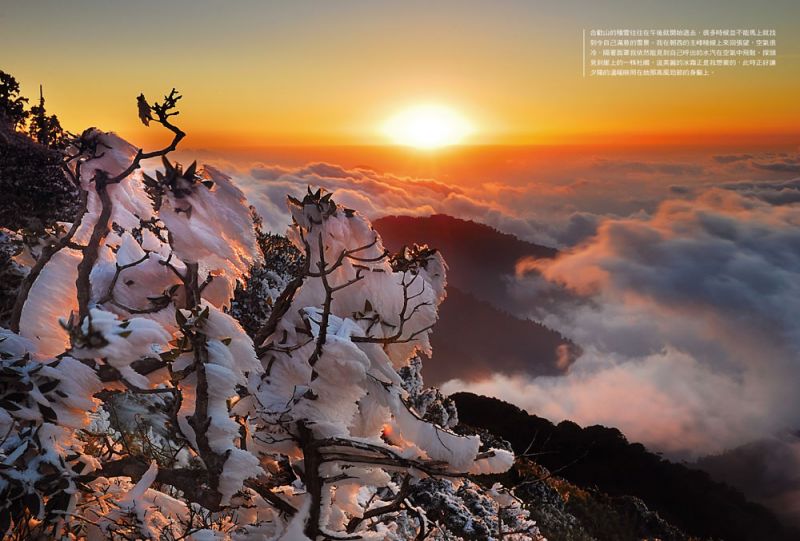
(134,406)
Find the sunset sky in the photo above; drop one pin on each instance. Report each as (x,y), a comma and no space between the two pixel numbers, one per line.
(674,203)
(257,74)
(651,178)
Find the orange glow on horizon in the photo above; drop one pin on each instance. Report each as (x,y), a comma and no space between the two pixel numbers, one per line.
(331,76)
(428,127)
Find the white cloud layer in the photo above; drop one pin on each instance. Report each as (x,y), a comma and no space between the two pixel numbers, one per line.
(689,325)
(690,288)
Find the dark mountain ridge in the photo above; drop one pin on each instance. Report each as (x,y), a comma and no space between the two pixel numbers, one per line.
(477,333)
(601,457)
(473,339)
(480,258)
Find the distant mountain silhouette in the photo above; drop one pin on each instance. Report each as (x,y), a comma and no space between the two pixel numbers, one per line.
(765,470)
(601,457)
(477,335)
(473,339)
(481,259)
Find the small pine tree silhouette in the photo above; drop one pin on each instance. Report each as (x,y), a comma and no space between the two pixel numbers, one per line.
(44,128)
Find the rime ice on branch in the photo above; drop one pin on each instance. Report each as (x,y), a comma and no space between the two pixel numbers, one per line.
(134,406)
(331,394)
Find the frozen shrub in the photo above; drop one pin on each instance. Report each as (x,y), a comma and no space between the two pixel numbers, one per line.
(134,406)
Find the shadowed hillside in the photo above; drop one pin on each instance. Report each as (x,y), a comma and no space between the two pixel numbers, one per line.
(480,258)
(601,457)
(477,335)
(474,339)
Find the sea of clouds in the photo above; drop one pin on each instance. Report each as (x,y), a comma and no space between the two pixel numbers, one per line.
(687,289)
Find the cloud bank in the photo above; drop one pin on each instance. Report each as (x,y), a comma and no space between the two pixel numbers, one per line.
(689,323)
(685,275)
(552,207)
(381,194)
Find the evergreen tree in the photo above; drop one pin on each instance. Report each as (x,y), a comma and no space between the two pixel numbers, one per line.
(12,105)
(44,128)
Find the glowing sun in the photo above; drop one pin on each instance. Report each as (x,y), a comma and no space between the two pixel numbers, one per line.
(427,126)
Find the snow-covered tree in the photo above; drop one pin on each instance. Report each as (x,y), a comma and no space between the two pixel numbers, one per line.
(133,405)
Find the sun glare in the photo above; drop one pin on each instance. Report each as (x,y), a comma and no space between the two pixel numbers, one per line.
(427,126)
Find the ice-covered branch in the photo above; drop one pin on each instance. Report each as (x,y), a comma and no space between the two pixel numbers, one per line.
(82,150)
(144,409)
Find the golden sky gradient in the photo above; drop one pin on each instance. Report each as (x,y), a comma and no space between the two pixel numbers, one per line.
(319,73)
